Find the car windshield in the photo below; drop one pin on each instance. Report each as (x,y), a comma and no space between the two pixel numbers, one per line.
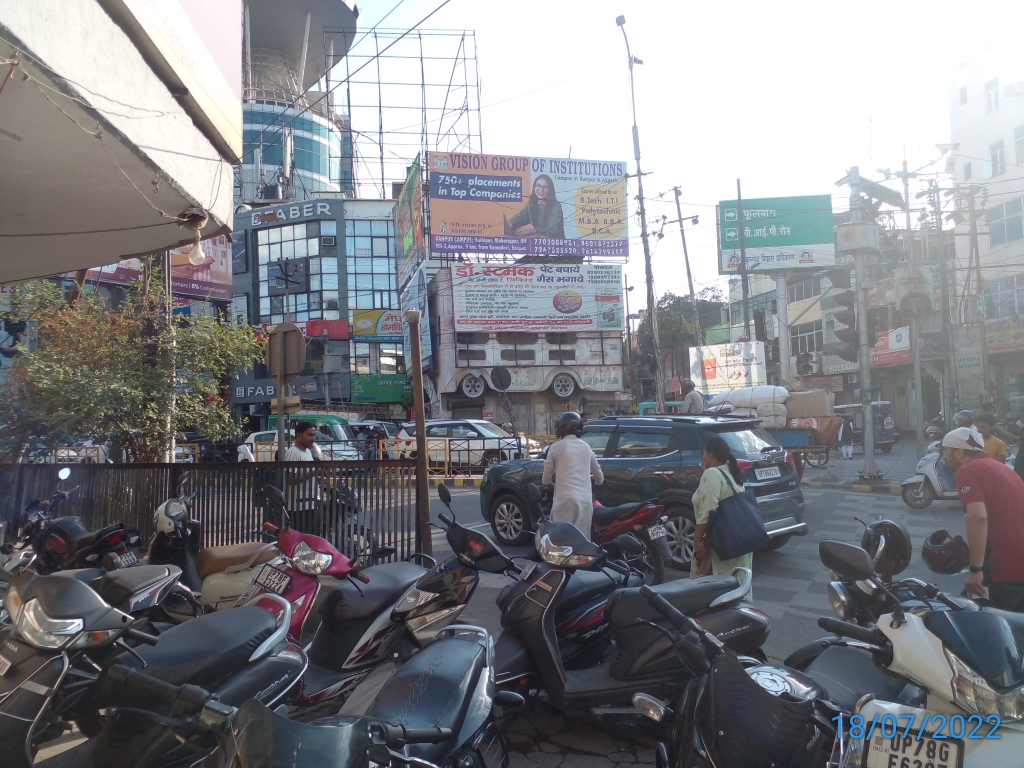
(745,440)
(489,430)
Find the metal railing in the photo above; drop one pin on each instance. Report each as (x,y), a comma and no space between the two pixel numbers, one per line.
(230,503)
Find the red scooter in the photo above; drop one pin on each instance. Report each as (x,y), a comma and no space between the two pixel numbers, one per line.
(633,533)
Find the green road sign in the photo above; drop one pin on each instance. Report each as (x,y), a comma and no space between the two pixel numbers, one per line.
(780,233)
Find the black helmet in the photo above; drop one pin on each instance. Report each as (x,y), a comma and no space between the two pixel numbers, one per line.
(944,554)
(569,423)
(896,553)
(963,419)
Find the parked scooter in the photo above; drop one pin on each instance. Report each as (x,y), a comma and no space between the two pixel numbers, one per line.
(949,673)
(634,533)
(932,480)
(640,660)
(49,543)
(734,714)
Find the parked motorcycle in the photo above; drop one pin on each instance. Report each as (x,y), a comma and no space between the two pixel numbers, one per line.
(640,658)
(734,712)
(633,533)
(948,672)
(49,543)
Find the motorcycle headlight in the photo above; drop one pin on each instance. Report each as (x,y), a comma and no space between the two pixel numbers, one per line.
(92,639)
(39,630)
(308,560)
(12,603)
(413,599)
(972,692)
(562,556)
(839,597)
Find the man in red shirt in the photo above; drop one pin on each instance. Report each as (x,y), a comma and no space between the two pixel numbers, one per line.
(993,497)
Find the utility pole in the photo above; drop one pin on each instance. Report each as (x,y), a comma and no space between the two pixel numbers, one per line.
(979,290)
(413,318)
(915,322)
(689,275)
(652,307)
(782,313)
(628,350)
(743,263)
(860,257)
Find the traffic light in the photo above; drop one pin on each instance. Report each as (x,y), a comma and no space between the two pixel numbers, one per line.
(840,277)
(760,333)
(850,335)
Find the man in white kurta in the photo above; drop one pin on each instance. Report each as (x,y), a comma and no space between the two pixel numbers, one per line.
(571,463)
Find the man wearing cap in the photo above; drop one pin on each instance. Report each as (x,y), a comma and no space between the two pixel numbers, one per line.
(693,401)
(993,498)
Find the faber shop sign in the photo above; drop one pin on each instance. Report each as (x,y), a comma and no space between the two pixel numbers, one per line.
(290,213)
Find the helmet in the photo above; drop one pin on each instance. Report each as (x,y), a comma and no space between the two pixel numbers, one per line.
(569,423)
(963,419)
(944,554)
(171,518)
(897,550)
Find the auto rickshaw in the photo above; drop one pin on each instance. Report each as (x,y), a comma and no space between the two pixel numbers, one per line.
(885,425)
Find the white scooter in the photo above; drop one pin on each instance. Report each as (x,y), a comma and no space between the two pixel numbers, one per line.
(933,480)
(958,700)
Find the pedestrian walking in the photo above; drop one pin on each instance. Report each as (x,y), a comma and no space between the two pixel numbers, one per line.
(303,490)
(846,437)
(569,464)
(994,447)
(993,498)
(718,461)
(693,401)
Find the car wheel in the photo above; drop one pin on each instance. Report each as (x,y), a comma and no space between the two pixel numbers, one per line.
(886,448)
(777,542)
(563,385)
(679,529)
(918,496)
(817,460)
(510,521)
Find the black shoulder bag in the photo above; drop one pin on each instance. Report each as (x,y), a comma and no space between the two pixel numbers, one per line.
(735,526)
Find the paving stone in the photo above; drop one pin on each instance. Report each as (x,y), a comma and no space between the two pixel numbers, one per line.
(545,759)
(622,757)
(574,760)
(519,760)
(645,756)
(622,744)
(546,746)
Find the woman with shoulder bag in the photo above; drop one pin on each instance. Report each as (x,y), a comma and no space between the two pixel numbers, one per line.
(720,480)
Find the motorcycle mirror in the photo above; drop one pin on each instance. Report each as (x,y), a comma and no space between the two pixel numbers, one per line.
(533,491)
(444,494)
(186,477)
(509,700)
(382,552)
(847,560)
(110,562)
(274,495)
(64,473)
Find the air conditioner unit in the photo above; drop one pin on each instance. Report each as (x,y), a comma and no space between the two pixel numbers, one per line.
(328,241)
(853,378)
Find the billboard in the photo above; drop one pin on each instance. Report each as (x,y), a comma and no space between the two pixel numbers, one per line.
(537,297)
(410,245)
(528,205)
(721,367)
(892,348)
(415,297)
(377,325)
(378,388)
(211,279)
(780,234)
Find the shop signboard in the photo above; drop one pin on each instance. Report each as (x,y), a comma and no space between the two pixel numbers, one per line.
(1005,334)
(377,325)
(209,279)
(721,367)
(410,245)
(892,348)
(378,388)
(539,298)
(781,234)
(527,205)
(415,297)
(968,360)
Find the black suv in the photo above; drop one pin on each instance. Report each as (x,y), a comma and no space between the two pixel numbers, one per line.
(645,457)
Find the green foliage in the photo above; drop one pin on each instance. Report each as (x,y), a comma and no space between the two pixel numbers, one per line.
(118,374)
(675,320)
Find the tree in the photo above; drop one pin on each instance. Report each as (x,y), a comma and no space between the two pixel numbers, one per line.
(118,373)
(674,328)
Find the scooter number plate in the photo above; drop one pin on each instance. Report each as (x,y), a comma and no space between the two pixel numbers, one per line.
(128,559)
(767,473)
(5,664)
(941,753)
(656,531)
(273,580)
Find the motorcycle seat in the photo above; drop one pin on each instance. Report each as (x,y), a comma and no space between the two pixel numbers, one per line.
(849,673)
(433,689)
(688,596)
(347,603)
(207,649)
(606,515)
(118,586)
(216,559)
(78,536)
(584,586)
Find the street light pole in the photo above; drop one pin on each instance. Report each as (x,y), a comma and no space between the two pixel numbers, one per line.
(412,317)
(629,344)
(689,276)
(652,309)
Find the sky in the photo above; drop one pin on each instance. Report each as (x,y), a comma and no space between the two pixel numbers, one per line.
(785,96)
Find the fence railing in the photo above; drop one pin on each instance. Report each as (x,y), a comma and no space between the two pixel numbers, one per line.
(353,504)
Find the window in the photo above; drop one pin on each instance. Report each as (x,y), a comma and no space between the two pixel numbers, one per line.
(360,358)
(369,251)
(995,163)
(472,354)
(392,358)
(556,355)
(967,171)
(518,354)
(437,430)
(805,289)
(807,337)
(765,301)
(1004,297)
(1004,223)
(991,96)
(298,245)
(597,440)
(642,444)
(464,430)
(963,95)
(518,339)
(746,441)
(489,430)
(562,339)
(1018,143)
(470,338)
